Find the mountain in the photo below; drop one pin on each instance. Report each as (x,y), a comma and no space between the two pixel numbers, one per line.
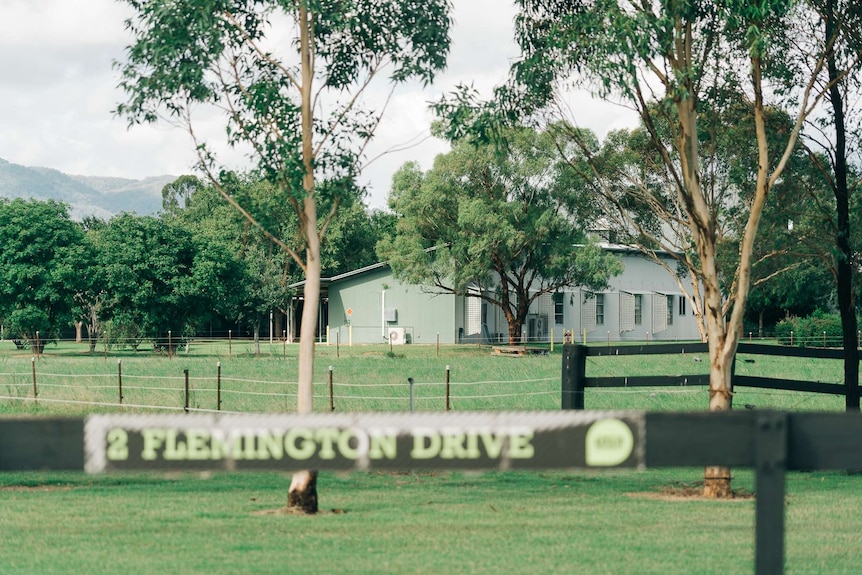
(97,196)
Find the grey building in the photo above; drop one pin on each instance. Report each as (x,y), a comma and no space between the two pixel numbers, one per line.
(369,305)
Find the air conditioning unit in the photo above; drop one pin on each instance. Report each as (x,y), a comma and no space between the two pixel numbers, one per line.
(397,336)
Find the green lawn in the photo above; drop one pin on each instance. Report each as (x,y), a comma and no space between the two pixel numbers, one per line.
(555,522)
(613,522)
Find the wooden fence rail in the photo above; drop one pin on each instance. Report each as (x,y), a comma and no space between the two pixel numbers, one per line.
(575,379)
(771,442)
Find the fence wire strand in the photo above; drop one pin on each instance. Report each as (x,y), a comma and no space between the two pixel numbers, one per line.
(351,393)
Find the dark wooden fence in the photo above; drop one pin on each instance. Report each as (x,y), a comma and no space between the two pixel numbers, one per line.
(770,442)
(575,379)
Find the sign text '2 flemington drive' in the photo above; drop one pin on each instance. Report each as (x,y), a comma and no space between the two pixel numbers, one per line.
(478,441)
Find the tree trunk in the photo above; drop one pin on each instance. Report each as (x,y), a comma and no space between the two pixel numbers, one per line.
(257,338)
(717,479)
(515,330)
(722,339)
(79,329)
(92,337)
(302,494)
(722,349)
(844,264)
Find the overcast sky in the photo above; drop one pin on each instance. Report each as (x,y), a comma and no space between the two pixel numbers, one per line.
(58,87)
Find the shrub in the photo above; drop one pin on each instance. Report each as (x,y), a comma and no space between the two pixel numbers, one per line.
(811,331)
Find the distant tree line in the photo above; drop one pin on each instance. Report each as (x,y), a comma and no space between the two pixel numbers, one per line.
(135,278)
(201,264)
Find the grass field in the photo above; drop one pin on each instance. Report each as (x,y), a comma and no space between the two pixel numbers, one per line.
(555,522)
(367,378)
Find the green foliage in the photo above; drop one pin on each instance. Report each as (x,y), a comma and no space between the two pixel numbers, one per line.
(794,234)
(219,52)
(300,120)
(811,330)
(262,285)
(510,223)
(122,332)
(158,277)
(42,258)
(179,193)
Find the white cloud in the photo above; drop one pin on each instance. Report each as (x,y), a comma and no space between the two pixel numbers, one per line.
(58,87)
(63,23)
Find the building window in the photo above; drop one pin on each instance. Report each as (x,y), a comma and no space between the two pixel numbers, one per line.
(559,305)
(670,310)
(681,305)
(639,309)
(600,309)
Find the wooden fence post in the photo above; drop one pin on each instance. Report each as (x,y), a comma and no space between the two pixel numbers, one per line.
(186,408)
(331,397)
(770,463)
(410,383)
(574,372)
(732,377)
(448,405)
(35,391)
(218,386)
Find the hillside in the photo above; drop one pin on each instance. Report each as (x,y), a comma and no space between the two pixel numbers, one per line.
(97,196)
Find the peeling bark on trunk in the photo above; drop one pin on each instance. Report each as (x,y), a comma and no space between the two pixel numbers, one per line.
(722,349)
(722,338)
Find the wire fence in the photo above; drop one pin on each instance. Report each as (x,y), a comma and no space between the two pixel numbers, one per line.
(50,383)
(100,392)
(221,392)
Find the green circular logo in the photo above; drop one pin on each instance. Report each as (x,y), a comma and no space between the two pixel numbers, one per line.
(609,442)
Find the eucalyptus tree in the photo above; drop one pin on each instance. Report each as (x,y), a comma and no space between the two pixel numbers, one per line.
(502,225)
(90,297)
(637,194)
(289,78)
(679,53)
(833,138)
(266,271)
(793,260)
(178,194)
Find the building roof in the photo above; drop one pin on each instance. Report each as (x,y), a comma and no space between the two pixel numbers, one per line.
(324,282)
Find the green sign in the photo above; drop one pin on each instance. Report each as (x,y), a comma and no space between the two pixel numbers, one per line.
(510,440)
